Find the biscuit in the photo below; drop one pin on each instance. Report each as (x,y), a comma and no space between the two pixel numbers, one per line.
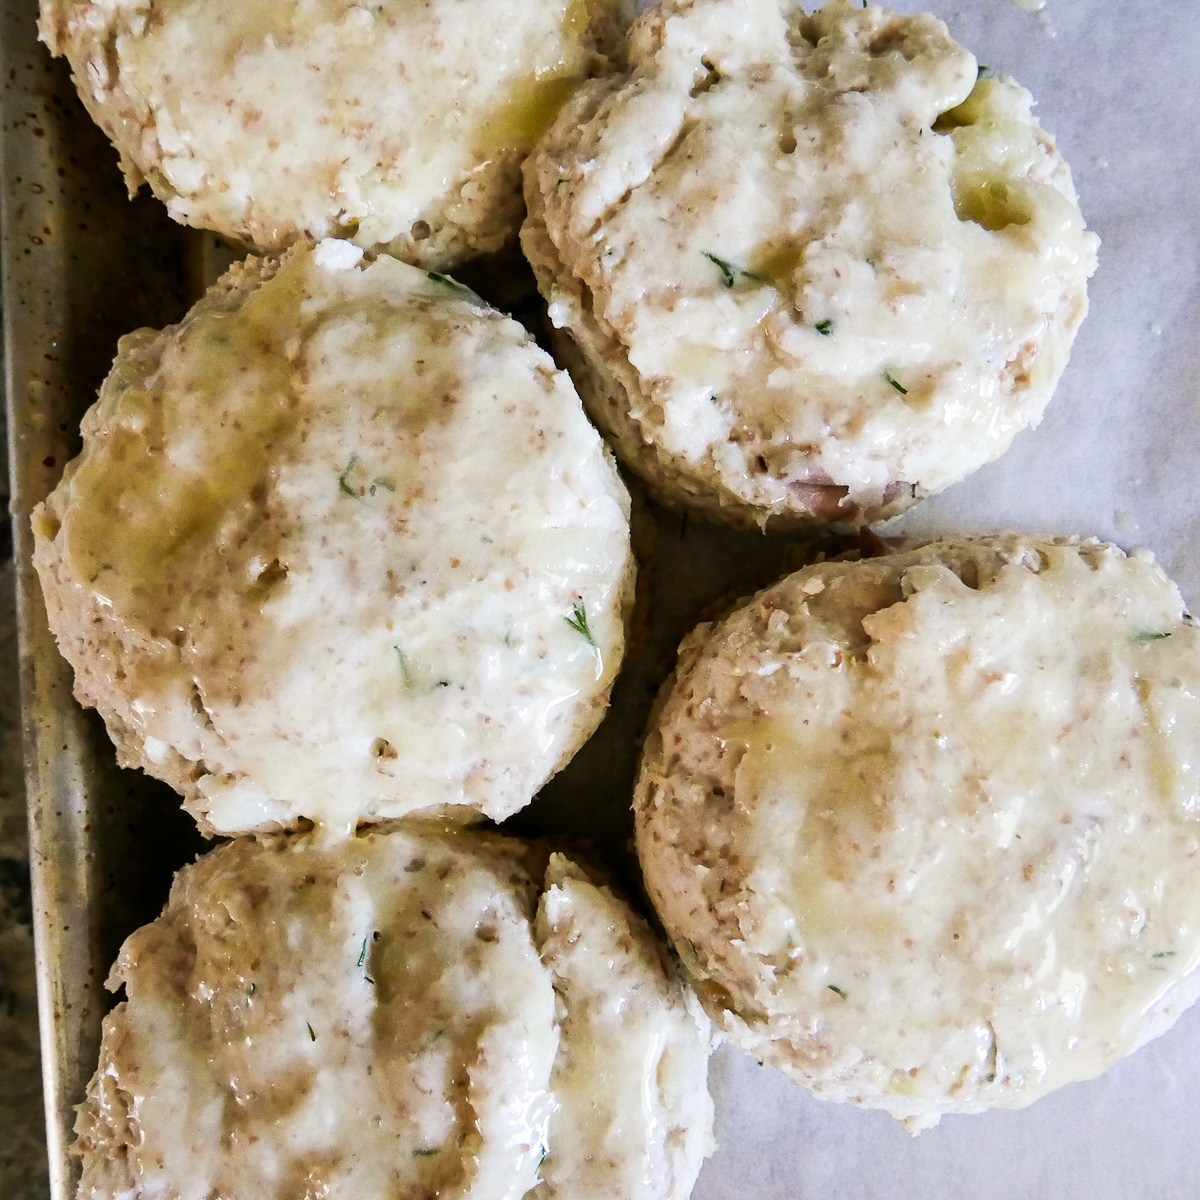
(805,268)
(340,544)
(924,827)
(387,1016)
(398,125)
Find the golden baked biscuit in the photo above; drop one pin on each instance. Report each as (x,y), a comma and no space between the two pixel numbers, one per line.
(400,124)
(806,268)
(925,827)
(339,545)
(397,1014)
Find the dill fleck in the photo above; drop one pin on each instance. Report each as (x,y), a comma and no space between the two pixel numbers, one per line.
(728,273)
(833,987)
(1164,954)
(545,1153)
(342,484)
(311,1032)
(370,979)
(1148,636)
(824,328)
(405,670)
(362,954)
(424,1151)
(578,621)
(453,285)
(443,683)
(895,383)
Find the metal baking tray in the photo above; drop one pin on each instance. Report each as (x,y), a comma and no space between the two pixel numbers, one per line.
(1116,456)
(81,265)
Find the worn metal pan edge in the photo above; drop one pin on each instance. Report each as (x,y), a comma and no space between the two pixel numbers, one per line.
(81,265)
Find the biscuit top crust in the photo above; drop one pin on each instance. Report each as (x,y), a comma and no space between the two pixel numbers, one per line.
(831,249)
(399,1014)
(633,1116)
(370,1021)
(340,545)
(927,825)
(270,122)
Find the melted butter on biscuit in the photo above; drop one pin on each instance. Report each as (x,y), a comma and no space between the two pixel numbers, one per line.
(982,812)
(810,250)
(396,1014)
(394,122)
(341,523)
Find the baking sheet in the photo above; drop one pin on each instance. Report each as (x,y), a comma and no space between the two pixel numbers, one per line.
(1115,456)
(80,266)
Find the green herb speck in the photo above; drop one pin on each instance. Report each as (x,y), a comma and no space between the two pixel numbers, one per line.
(311,1032)
(405,671)
(342,484)
(578,621)
(895,383)
(453,285)
(833,987)
(424,1152)
(1149,636)
(824,328)
(1164,954)
(362,954)
(728,273)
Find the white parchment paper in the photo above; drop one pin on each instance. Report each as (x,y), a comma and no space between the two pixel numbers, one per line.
(1116,456)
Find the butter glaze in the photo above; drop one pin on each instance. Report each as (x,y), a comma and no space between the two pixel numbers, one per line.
(925,827)
(395,123)
(407,1013)
(812,267)
(339,545)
